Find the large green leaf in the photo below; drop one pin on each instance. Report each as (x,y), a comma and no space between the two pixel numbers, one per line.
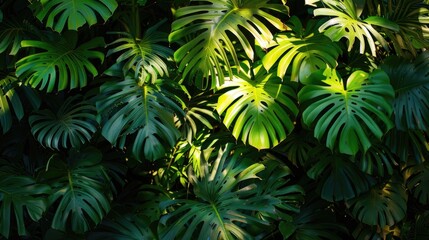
(345,22)
(348,114)
(384,204)
(411,17)
(124,227)
(213,26)
(145,56)
(314,222)
(302,51)
(143,110)
(12,32)
(9,100)
(379,160)
(75,13)
(340,179)
(258,107)
(61,65)
(417,179)
(227,197)
(20,198)
(81,193)
(411,84)
(72,125)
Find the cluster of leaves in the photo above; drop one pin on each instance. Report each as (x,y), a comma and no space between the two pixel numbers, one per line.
(220,119)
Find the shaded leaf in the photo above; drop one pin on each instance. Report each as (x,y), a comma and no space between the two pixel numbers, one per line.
(21,197)
(72,125)
(411,85)
(225,197)
(61,65)
(382,205)
(80,190)
(143,110)
(417,178)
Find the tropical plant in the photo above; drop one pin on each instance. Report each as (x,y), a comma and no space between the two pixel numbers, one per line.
(214,119)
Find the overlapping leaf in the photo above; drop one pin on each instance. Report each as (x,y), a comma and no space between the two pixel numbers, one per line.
(382,205)
(226,195)
(340,179)
(417,178)
(62,64)
(9,100)
(345,22)
(348,114)
(21,197)
(12,32)
(411,84)
(80,189)
(260,110)
(74,13)
(72,125)
(143,110)
(302,52)
(213,26)
(145,56)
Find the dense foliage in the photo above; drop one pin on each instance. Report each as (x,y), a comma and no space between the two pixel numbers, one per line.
(214,119)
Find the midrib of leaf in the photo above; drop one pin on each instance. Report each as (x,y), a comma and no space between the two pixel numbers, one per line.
(70,180)
(53,63)
(222,225)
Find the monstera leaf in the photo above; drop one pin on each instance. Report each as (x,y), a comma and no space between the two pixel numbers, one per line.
(313,222)
(80,190)
(143,110)
(417,177)
(62,64)
(260,110)
(412,17)
(146,57)
(378,160)
(303,52)
(226,200)
(76,13)
(124,227)
(382,205)
(214,26)
(12,32)
(20,198)
(345,22)
(348,114)
(411,104)
(340,179)
(9,99)
(73,124)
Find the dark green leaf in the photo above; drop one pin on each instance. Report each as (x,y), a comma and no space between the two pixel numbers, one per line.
(72,125)
(143,110)
(22,197)
(383,205)
(61,65)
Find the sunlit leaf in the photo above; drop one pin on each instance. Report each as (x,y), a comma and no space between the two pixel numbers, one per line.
(350,113)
